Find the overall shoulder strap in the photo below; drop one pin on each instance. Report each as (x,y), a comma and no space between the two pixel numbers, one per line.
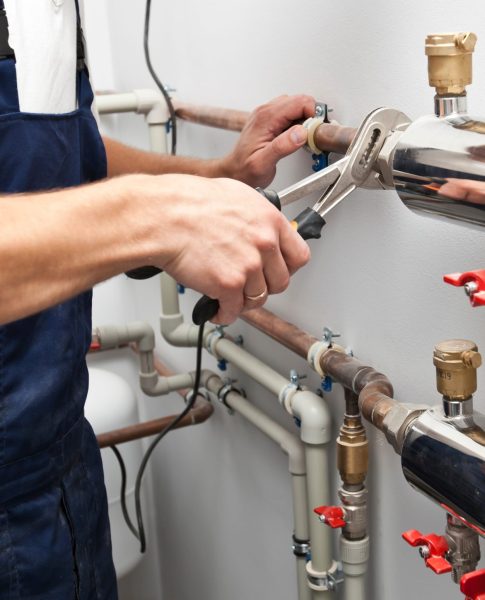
(81,52)
(5,49)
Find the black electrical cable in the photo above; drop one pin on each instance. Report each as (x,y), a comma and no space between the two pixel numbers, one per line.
(160,85)
(124,508)
(139,532)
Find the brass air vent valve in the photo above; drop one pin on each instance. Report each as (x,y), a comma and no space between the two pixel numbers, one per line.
(456,363)
(450,61)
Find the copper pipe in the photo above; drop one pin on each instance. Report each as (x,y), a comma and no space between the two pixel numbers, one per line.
(284,333)
(201,412)
(222,118)
(373,388)
(329,137)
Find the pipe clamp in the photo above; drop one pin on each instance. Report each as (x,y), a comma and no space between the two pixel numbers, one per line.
(301,548)
(286,395)
(211,341)
(328,581)
(311,125)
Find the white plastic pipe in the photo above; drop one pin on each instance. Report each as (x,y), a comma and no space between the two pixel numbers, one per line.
(172,326)
(318,478)
(310,409)
(143,102)
(300,511)
(158,138)
(354,556)
(293,448)
(252,366)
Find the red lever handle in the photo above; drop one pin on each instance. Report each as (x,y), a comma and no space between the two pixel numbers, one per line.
(473,585)
(333,516)
(434,550)
(475,281)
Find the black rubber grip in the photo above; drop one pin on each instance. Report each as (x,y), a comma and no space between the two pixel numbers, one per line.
(271,196)
(205,310)
(310,224)
(143,272)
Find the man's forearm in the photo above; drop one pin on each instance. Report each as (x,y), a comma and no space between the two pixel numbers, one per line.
(55,245)
(123,160)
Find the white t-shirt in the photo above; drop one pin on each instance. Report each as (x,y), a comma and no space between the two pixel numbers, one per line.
(43,36)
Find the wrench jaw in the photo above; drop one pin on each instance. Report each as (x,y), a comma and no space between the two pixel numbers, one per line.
(369,157)
(381,177)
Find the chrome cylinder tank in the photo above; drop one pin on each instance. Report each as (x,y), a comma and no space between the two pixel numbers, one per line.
(439,166)
(444,457)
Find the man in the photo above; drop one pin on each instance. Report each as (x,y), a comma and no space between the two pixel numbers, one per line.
(55,245)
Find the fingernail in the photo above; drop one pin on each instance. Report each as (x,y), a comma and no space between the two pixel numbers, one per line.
(298,135)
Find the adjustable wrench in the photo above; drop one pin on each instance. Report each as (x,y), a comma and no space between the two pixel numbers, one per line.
(360,167)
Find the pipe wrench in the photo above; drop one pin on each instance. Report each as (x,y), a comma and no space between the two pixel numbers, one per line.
(366,164)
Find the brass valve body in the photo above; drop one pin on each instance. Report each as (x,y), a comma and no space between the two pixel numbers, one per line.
(352,452)
(456,363)
(450,61)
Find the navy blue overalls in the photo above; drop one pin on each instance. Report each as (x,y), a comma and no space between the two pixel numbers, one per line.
(54,531)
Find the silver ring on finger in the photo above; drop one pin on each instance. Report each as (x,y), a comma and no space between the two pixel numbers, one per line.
(258,297)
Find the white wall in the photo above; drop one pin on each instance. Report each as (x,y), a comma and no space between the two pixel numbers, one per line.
(222,493)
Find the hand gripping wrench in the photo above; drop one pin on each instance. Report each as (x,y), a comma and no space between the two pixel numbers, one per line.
(364,165)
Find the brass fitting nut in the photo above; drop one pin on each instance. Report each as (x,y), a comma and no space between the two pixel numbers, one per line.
(450,61)
(352,460)
(456,363)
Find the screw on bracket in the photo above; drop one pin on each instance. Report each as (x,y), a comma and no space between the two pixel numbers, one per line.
(295,378)
(328,335)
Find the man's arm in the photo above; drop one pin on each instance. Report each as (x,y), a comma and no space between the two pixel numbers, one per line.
(269,135)
(55,245)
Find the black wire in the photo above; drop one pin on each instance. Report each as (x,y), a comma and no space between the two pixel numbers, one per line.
(139,532)
(160,85)
(124,508)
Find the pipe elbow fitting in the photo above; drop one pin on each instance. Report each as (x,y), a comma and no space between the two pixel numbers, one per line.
(313,413)
(176,332)
(295,451)
(112,336)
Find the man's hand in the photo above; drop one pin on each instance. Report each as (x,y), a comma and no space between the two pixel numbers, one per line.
(269,135)
(221,238)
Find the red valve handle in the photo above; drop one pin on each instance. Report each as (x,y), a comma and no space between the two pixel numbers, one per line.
(437,547)
(477,298)
(333,516)
(473,585)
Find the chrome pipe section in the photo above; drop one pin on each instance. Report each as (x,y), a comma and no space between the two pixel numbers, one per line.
(439,164)
(444,458)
